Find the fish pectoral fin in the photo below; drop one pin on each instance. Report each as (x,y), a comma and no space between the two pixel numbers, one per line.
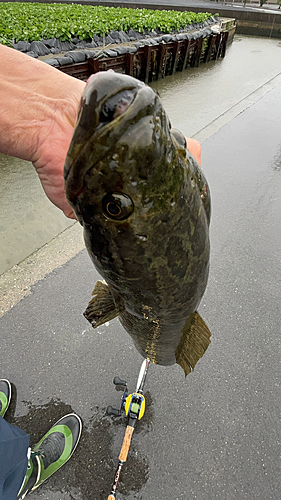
(194,342)
(102,307)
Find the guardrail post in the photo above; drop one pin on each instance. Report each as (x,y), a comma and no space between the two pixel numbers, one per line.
(162,54)
(224,43)
(218,42)
(197,53)
(94,66)
(186,53)
(146,62)
(129,64)
(208,53)
(176,49)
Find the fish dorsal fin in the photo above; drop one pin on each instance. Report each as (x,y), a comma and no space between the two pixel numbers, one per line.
(194,342)
(102,307)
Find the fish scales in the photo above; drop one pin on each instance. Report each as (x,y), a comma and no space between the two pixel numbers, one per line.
(144,203)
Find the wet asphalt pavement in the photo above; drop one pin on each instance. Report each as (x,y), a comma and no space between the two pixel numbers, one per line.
(215,434)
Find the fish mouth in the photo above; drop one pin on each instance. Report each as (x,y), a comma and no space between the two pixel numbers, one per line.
(115,106)
(107,96)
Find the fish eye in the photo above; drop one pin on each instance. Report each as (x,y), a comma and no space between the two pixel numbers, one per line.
(117,206)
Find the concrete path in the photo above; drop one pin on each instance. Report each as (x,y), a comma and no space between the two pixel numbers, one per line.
(215,435)
(28,219)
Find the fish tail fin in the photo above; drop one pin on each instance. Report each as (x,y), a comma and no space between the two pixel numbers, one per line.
(194,342)
(102,307)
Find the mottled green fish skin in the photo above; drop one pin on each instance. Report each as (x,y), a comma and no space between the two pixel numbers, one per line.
(156,261)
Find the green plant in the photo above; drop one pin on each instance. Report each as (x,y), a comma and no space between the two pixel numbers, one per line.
(36,21)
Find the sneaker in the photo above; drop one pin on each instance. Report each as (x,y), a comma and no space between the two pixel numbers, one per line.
(32,475)
(52,451)
(5,395)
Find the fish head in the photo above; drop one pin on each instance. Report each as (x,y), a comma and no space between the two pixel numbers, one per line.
(121,142)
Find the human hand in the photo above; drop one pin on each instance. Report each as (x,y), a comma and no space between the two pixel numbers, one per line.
(38,110)
(53,141)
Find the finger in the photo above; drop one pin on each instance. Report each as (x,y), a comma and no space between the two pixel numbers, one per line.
(194,148)
(70,214)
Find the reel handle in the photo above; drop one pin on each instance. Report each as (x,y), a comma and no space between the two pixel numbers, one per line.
(119,381)
(113,411)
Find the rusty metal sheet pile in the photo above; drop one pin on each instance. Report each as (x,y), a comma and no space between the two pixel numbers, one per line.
(151,58)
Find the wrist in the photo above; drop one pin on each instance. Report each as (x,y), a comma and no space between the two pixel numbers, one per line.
(33,95)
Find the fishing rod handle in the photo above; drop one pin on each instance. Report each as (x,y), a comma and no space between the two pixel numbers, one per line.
(126,443)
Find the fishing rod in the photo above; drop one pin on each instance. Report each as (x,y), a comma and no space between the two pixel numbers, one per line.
(134,407)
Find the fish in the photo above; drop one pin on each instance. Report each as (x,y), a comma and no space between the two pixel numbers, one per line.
(144,204)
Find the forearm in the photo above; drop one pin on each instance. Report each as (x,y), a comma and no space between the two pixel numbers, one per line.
(32,94)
